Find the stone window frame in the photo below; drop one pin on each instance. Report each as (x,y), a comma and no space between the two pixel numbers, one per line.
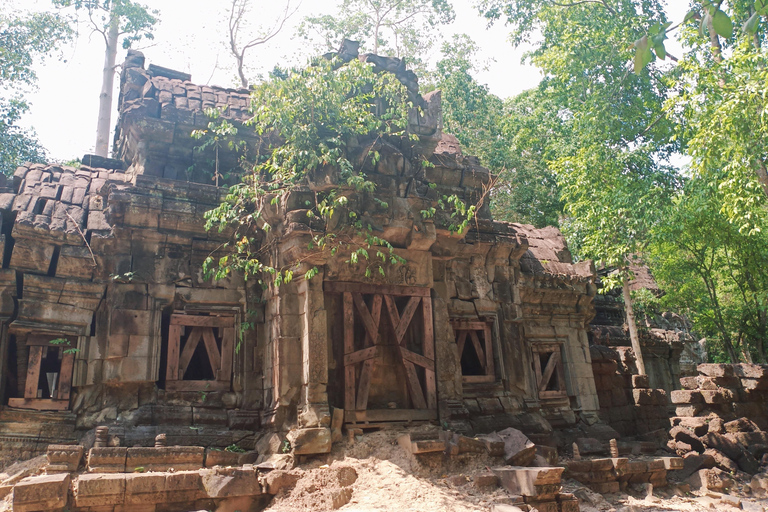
(471,327)
(553,368)
(223,371)
(38,343)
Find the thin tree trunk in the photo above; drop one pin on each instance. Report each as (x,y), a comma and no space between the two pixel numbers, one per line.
(104,124)
(632,324)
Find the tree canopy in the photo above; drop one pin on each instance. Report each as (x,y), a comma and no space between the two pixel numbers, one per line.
(24,40)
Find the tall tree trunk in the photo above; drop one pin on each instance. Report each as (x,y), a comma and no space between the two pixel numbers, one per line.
(104,124)
(632,324)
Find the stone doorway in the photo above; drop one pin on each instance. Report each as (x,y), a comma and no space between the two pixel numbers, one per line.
(389,353)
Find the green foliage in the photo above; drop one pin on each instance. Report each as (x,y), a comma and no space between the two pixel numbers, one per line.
(23,41)
(135,21)
(314,121)
(219,134)
(713,272)
(234,449)
(724,125)
(401,28)
(513,138)
(65,343)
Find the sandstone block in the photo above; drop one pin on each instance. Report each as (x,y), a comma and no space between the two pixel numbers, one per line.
(99,490)
(179,458)
(63,458)
(183,486)
(143,488)
(486,481)
(41,493)
(230,482)
(710,480)
(716,370)
(640,382)
(684,396)
(107,460)
(309,441)
(276,480)
(524,481)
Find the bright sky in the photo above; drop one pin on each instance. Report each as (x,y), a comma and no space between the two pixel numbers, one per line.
(190,37)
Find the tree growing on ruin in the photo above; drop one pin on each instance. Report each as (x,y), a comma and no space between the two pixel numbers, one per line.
(238,26)
(23,41)
(511,137)
(400,28)
(113,19)
(614,175)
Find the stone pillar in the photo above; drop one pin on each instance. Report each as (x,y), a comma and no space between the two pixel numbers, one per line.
(313,403)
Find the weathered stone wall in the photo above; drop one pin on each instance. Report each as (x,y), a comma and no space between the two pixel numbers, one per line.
(111,257)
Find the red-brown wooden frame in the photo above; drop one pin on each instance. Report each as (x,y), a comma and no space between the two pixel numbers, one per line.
(554,367)
(468,329)
(201,330)
(356,392)
(37,344)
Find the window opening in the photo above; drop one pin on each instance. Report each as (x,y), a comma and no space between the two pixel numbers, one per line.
(475,346)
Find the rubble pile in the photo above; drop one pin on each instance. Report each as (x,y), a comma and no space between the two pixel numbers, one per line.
(720,423)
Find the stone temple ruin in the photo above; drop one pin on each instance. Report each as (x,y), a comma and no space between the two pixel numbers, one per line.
(108,321)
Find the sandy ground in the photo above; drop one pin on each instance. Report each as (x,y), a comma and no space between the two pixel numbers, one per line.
(389,479)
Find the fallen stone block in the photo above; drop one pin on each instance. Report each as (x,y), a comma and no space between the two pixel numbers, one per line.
(710,480)
(309,441)
(673,463)
(527,481)
(722,461)
(276,480)
(518,449)
(716,370)
(63,458)
(741,425)
(693,462)
(486,481)
(683,435)
(589,446)
(685,397)
(41,493)
(230,482)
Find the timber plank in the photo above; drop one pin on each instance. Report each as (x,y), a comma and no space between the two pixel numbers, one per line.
(202,321)
(461,341)
(33,371)
(365,383)
(227,354)
(429,329)
(405,319)
(214,358)
(370,326)
(415,358)
(489,367)
(39,404)
(65,376)
(386,289)
(349,348)
(478,349)
(548,371)
(361,355)
(189,350)
(414,386)
(174,341)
